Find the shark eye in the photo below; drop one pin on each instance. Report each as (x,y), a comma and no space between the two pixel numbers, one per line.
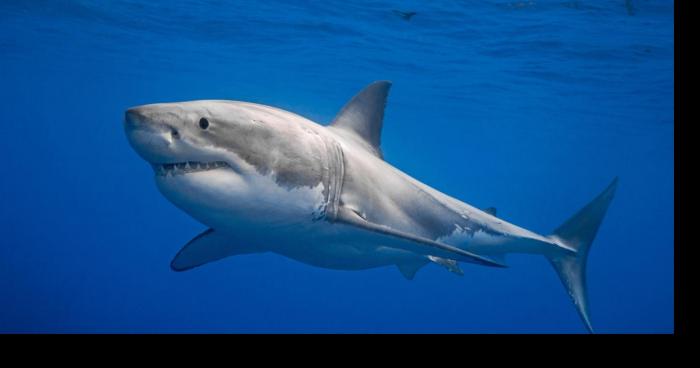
(203,123)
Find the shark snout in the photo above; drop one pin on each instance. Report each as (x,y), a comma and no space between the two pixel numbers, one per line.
(142,118)
(132,117)
(145,117)
(150,137)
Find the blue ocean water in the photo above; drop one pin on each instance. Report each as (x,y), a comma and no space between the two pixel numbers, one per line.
(528,106)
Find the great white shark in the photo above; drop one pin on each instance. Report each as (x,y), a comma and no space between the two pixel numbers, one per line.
(268,180)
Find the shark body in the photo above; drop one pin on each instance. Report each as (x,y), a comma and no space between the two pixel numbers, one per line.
(267,180)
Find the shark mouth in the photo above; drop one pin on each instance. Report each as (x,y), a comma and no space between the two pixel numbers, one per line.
(188,167)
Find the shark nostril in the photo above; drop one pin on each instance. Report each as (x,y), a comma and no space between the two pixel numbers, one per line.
(174,133)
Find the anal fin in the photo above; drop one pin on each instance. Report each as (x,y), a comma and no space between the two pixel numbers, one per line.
(450,264)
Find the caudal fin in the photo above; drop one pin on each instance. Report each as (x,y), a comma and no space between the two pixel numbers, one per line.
(578,233)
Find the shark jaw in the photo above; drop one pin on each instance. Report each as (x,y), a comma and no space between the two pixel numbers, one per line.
(188,167)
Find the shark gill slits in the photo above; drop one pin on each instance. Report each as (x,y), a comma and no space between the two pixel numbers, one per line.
(203,123)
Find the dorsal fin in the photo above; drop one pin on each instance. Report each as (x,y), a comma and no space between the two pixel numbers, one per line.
(491,211)
(364,114)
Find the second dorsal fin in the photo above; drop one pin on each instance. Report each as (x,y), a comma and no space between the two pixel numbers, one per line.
(363,115)
(491,211)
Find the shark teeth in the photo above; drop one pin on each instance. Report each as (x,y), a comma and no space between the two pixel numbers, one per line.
(180,168)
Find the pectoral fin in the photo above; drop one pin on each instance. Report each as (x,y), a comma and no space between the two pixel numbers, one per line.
(206,247)
(414,243)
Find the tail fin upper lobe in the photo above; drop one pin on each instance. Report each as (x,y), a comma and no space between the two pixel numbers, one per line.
(578,233)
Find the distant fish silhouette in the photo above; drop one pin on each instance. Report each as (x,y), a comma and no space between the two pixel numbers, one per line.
(522,4)
(405,15)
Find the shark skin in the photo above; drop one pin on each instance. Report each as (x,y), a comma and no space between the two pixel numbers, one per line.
(268,180)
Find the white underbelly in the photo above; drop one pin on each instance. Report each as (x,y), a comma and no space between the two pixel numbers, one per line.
(286,221)
(226,201)
(338,246)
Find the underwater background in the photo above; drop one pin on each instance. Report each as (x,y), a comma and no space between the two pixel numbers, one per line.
(532,107)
